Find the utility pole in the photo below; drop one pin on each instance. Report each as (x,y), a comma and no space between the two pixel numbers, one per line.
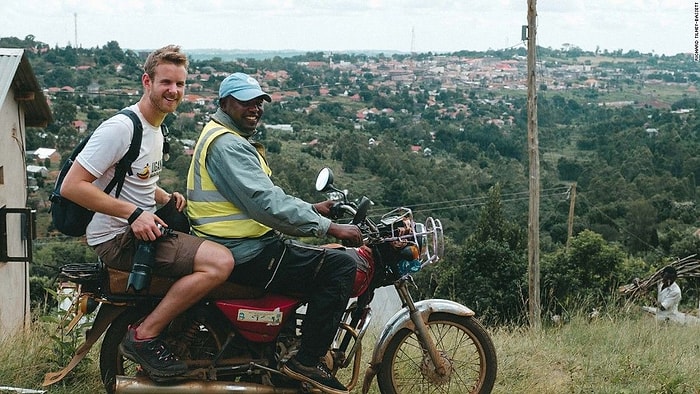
(413,40)
(533,243)
(75,26)
(572,204)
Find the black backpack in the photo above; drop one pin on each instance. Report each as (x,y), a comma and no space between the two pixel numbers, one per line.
(71,218)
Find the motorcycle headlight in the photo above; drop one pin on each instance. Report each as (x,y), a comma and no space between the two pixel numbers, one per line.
(422,239)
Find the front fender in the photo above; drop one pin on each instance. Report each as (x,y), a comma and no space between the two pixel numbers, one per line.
(402,319)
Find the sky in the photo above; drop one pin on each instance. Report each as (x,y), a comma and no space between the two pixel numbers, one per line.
(439,26)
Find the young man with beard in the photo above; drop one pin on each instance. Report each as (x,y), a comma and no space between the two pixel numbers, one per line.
(120,223)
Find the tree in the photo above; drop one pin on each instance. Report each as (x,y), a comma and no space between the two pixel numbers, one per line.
(180,165)
(332,109)
(37,138)
(64,112)
(59,77)
(490,276)
(66,139)
(49,258)
(349,151)
(641,225)
(588,270)
(569,169)
(113,52)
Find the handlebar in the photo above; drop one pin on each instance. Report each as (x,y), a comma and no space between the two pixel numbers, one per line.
(428,237)
(358,213)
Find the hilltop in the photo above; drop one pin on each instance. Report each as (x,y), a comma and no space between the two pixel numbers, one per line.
(235,54)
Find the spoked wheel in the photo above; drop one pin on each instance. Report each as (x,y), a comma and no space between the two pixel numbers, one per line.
(112,363)
(467,358)
(188,337)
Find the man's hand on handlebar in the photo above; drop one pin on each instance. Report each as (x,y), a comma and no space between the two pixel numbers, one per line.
(347,232)
(324,207)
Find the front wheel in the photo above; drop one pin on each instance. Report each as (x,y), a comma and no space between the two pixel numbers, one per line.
(467,356)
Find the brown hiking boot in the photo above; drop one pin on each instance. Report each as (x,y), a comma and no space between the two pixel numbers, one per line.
(318,376)
(152,354)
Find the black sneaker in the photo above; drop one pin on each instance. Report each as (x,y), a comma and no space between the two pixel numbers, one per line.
(152,354)
(318,376)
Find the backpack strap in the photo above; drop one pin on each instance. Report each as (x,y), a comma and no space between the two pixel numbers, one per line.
(56,194)
(123,166)
(166,144)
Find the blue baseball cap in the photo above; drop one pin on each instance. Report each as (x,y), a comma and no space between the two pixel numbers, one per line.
(243,87)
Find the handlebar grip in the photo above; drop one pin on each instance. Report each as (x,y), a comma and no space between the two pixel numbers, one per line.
(336,211)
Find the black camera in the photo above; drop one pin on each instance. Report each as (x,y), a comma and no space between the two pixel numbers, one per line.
(144,261)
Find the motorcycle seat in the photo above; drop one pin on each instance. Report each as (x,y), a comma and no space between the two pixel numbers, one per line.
(160,285)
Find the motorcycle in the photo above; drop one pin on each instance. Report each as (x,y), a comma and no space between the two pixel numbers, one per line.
(237,338)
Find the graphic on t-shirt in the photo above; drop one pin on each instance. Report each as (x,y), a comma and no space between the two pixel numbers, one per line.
(145,173)
(150,170)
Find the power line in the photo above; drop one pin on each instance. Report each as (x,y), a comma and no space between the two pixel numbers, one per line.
(620,227)
(473,202)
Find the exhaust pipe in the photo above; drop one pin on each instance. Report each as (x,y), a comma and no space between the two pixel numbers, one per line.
(144,385)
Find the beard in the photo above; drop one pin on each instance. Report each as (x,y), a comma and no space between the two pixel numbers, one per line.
(163,105)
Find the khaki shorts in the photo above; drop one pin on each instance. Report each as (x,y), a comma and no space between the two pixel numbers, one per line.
(174,255)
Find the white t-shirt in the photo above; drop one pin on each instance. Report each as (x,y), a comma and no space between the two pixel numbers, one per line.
(106,147)
(670,298)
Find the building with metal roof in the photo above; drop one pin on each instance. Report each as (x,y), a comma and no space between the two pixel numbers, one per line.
(22,105)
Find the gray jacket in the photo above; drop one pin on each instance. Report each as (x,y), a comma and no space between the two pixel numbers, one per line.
(235,169)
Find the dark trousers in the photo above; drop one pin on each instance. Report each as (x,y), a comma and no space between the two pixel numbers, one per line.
(323,277)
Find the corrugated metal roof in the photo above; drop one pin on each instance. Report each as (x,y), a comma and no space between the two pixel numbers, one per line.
(16,72)
(9,62)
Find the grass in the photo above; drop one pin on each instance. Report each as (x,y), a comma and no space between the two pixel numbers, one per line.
(615,353)
(631,355)
(29,355)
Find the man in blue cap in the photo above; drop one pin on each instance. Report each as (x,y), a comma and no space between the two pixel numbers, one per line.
(233,201)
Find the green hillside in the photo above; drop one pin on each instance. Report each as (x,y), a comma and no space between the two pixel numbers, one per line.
(446,135)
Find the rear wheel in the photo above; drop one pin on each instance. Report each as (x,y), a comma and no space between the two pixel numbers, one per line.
(112,363)
(189,337)
(467,354)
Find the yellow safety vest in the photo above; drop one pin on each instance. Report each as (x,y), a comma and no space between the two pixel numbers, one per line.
(210,213)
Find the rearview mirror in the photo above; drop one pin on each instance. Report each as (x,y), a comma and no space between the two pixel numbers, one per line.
(324,180)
